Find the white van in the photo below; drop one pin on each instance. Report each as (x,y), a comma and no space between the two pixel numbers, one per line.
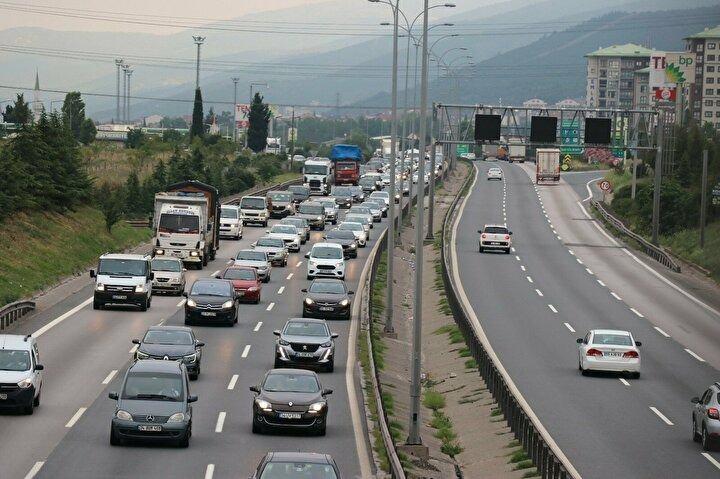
(231,224)
(254,209)
(326,259)
(123,279)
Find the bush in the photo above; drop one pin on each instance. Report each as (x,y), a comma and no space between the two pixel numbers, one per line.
(433,400)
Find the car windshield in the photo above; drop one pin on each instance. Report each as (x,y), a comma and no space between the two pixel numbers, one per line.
(270,242)
(306,328)
(168,336)
(211,288)
(289,230)
(296,222)
(496,230)
(251,256)
(342,193)
(325,252)
(252,204)
(308,209)
(237,273)
(280,196)
(315,169)
(350,227)
(153,387)
(610,339)
(123,267)
(345,166)
(297,470)
(299,190)
(328,204)
(229,213)
(357,218)
(495,170)
(340,234)
(380,194)
(372,205)
(173,223)
(327,287)
(291,383)
(14,360)
(368,180)
(172,265)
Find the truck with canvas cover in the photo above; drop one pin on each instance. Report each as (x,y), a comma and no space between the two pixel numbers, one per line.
(346,159)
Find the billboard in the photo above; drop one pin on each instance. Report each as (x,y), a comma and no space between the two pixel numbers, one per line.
(242,114)
(668,70)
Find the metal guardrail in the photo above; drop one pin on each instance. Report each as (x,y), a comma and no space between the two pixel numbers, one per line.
(650,249)
(14,311)
(530,435)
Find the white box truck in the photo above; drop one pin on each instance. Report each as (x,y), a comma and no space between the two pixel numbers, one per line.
(548,165)
(516,152)
(179,228)
(318,175)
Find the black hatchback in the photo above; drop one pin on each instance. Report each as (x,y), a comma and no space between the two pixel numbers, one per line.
(292,465)
(327,298)
(171,343)
(344,238)
(211,301)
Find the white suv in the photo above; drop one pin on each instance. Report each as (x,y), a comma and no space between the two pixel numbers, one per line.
(495,237)
(20,372)
(326,259)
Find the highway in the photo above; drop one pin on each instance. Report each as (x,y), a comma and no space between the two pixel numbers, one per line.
(86,352)
(564,277)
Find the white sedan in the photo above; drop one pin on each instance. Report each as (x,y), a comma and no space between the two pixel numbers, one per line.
(609,350)
(357,229)
(495,174)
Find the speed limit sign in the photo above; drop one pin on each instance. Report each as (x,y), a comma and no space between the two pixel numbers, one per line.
(605,185)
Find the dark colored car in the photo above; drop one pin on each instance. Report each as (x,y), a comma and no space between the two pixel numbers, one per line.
(305,342)
(344,238)
(358,194)
(300,193)
(343,196)
(171,343)
(327,298)
(153,404)
(245,281)
(290,398)
(211,301)
(293,465)
(369,184)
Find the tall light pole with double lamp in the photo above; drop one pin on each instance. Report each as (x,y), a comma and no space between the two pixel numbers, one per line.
(198,40)
(235,81)
(118,63)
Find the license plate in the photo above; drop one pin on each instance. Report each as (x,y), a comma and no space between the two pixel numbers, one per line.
(305,355)
(177,254)
(289,415)
(208,313)
(240,293)
(496,243)
(150,428)
(3,396)
(325,308)
(119,296)
(612,355)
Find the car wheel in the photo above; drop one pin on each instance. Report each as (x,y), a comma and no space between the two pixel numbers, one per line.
(144,306)
(187,321)
(193,376)
(480,249)
(36,401)
(309,278)
(114,439)
(507,251)
(331,365)
(205,260)
(695,436)
(257,301)
(320,431)
(97,305)
(185,440)
(257,428)
(705,440)
(635,375)
(29,409)
(277,364)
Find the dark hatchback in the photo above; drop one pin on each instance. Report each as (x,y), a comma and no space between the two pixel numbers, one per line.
(290,398)
(299,193)
(171,343)
(211,301)
(154,404)
(327,298)
(344,238)
(294,465)
(305,342)
(343,196)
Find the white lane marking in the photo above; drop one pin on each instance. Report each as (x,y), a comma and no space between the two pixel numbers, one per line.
(559,237)
(601,283)
(637,312)
(270,306)
(34,470)
(233,382)
(589,271)
(298,264)
(280,291)
(622,380)
(552,308)
(579,261)
(210,471)
(181,303)
(571,252)
(694,355)
(512,248)
(517,258)
(614,295)
(162,321)
(529,279)
(133,349)
(215,273)
(522,267)
(661,416)
(76,417)
(539,293)
(257,327)
(220,421)
(110,376)
(61,318)
(661,332)
(587,185)
(246,351)
(290,276)
(706,456)
(567,325)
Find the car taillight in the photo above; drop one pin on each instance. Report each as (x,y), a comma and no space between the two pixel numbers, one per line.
(713,413)
(483,236)
(594,352)
(507,237)
(631,354)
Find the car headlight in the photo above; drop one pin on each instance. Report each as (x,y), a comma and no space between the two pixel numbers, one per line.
(326,345)
(194,253)
(99,287)
(124,415)
(311,264)
(190,358)
(191,303)
(263,404)
(282,342)
(140,288)
(252,289)
(316,407)
(340,264)
(174,280)
(353,246)
(140,355)
(228,304)
(319,218)
(25,383)
(344,302)
(309,301)
(177,417)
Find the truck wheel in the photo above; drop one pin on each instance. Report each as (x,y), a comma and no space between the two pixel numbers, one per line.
(97,304)
(205,259)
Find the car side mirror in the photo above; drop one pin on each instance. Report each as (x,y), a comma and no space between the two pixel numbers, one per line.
(334,335)
(267,231)
(695,400)
(217,276)
(510,233)
(113,395)
(351,292)
(184,270)
(252,246)
(276,332)
(152,276)
(192,398)
(184,293)
(307,255)
(638,343)
(327,392)
(254,389)
(304,290)
(39,367)
(480,231)
(135,341)
(580,340)
(199,344)
(92,273)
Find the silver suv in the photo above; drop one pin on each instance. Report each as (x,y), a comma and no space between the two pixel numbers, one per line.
(20,372)
(706,417)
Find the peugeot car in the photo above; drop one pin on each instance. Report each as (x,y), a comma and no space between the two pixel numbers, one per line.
(307,343)
(171,343)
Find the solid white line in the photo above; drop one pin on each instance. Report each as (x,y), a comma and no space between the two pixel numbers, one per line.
(233,382)
(637,312)
(270,306)
(552,308)
(587,185)
(181,303)
(109,377)
(61,318)
(280,291)
(601,283)
(706,456)
(75,418)
(298,263)
(661,416)
(529,279)
(215,273)
(257,327)
(34,470)
(539,292)
(220,421)
(614,295)
(622,380)
(522,267)
(589,271)
(567,325)
(133,349)
(290,276)
(661,332)
(694,355)
(210,471)
(246,351)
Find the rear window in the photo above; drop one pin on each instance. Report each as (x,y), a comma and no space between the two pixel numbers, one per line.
(496,230)
(270,242)
(244,274)
(251,256)
(340,234)
(612,339)
(311,209)
(252,203)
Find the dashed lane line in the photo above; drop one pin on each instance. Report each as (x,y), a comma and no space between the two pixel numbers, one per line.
(517,258)
(522,267)
(298,264)
(691,353)
(133,349)
(539,293)
(530,280)
(246,351)
(614,295)
(181,303)
(711,459)
(257,326)
(233,382)
(601,283)
(210,471)
(589,271)
(622,380)
(281,290)
(110,376)
(661,416)
(290,276)
(34,470)
(270,307)
(76,417)
(215,274)
(661,332)
(567,325)
(638,313)
(552,308)
(220,421)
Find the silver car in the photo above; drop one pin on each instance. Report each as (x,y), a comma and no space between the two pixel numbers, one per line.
(331,209)
(168,275)
(255,259)
(706,418)
(274,247)
(301,224)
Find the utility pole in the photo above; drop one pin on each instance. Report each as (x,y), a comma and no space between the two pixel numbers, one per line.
(657,182)
(431,200)
(703,197)
(235,83)
(292,137)
(129,74)
(118,63)
(198,41)
(403,143)
(124,89)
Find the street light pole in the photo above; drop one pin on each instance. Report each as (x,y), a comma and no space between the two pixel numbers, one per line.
(124,90)
(235,84)
(118,63)
(198,41)
(703,197)
(431,199)
(129,74)
(657,184)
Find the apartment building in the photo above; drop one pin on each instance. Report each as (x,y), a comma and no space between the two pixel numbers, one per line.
(611,75)
(705,94)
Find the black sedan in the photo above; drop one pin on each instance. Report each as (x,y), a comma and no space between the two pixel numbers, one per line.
(171,343)
(327,298)
(290,398)
(211,301)
(305,342)
(291,465)
(344,238)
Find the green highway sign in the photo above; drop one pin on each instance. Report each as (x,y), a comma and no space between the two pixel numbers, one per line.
(462,149)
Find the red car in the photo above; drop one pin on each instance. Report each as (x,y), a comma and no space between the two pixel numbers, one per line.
(245,281)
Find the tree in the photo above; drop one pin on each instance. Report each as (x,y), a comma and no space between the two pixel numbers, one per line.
(133,195)
(197,128)
(19,112)
(73,111)
(87,132)
(259,118)
(109,199)
(209,116)
(135,138)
